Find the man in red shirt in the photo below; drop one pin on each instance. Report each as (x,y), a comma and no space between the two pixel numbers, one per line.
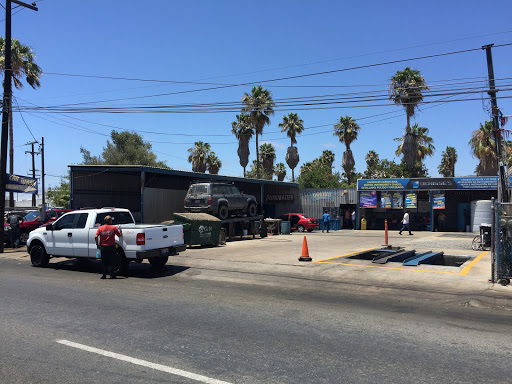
(107,243)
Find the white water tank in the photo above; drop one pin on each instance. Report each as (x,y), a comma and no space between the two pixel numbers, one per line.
(481,213)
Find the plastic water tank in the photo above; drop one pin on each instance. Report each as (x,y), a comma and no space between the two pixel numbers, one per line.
(481,213)
(285,227)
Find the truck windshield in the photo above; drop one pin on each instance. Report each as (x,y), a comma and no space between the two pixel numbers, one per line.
(119,217)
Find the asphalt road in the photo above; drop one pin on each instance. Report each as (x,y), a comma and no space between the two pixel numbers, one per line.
(167,326)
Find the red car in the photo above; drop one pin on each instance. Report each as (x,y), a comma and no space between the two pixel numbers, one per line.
(32,221)
(300,222)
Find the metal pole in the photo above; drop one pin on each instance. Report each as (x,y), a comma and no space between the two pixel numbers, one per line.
(33,174)
(493,240)
(5,114)
(42,172)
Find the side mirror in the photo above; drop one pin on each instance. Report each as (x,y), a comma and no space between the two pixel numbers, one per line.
(49,227)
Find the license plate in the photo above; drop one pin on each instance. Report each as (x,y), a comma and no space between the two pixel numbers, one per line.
(197,201)
(164,251)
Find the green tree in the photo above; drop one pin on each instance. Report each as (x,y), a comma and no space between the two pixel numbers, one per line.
(252,173)
(213,163)
(242,130)
(346,130)
(406,89)
(268,155)
(280,171)
(448,160)
(372,159)
(259,106)
(293,126)
(316,174)
(327,158)
(126,148)
(59,196)
(198,156)
(483,147)
(23,67)
(421,141)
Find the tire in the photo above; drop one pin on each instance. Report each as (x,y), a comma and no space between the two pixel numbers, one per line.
(252,210)
(24,237)
(310,230)
(505,282)
(158,262)
(476,245)
(223,212)
(300,228)
(38,256)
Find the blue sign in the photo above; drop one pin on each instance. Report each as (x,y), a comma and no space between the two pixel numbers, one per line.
(17,183)
(440,183)
(368,199)
(438,201)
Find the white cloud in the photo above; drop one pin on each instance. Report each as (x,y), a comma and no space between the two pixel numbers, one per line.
(329,145)
(276,145)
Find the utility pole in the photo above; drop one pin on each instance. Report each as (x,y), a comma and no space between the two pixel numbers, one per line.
(502,183)
(33,153)
(42,174)
(5,111)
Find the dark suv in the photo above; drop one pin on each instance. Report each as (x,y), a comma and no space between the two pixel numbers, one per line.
(219,199)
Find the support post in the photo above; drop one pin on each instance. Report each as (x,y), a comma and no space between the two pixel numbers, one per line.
(386,231)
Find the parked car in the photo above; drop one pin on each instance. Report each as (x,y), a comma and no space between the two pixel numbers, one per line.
(33,221)
(300,222)
(219,199)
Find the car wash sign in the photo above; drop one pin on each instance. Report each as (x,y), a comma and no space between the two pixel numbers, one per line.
(23,184)
(440,183)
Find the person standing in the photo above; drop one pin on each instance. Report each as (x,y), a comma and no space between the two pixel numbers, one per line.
(327,222)
(14,222)
(441,221)
(406,223)
(353,216)
(106,241)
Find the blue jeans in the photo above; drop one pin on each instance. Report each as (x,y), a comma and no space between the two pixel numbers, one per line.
(406,227)
(15,237)
(326,226)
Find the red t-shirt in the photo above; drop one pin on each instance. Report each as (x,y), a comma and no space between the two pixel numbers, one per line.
(107,234)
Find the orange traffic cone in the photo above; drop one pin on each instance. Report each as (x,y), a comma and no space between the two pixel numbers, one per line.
(305,252)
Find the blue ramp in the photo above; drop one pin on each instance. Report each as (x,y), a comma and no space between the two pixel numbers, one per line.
(418,259)
(402,255)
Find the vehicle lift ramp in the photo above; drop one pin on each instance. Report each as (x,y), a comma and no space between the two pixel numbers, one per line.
(395,256)
(418,259)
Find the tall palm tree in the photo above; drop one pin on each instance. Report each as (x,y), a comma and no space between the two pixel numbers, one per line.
(448,160)
(421,141)
(23,66)
(259,106)
(242,130)
(372,159)
(198,155)
(406,89)
(280,171)
(346,130)
(293,126)
(213,163)
(327,158)
(268,155)
(483,147)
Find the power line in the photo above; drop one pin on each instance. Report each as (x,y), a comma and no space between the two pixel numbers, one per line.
(26,125)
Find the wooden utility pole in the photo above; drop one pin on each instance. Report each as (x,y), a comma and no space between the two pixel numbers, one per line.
(33,153)
(6,104)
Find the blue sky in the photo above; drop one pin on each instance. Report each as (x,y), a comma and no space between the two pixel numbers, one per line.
(234,42)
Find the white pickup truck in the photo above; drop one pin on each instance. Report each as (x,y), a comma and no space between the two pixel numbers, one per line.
(72,236)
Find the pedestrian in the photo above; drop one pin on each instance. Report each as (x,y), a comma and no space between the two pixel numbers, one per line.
(327,222)
(441,221)
(353,216)
(14,222)
(406,223)
(106,241)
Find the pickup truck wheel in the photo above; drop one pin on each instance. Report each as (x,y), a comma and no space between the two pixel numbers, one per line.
(23,237)
(158,262)
(38,256)
(252,210)
(223,212)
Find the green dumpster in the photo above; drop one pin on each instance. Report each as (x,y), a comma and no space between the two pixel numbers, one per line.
(199,228)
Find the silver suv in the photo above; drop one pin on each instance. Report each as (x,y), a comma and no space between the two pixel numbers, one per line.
(219,199)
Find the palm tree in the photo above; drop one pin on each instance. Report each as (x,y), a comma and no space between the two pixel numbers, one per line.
(484,149)
(259,106)
(280,171)
(242,130)
(213,163)
(420,140)
(268,155)
(346,130)
(23,66)
(198,156)
(448,160)
(327,158)
(406,90)
(372,159)
(293,126)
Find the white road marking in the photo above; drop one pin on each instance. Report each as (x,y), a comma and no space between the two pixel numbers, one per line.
(144,363)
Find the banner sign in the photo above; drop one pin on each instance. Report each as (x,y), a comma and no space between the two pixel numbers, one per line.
(385,200)
(279,198)
(460,183)
(411,200)
(398,200)
(438,201)
(17,183)
(368,199)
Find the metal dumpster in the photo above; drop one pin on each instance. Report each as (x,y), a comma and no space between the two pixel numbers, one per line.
(199,228)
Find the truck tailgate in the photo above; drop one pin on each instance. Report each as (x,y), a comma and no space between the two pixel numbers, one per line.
(163,236)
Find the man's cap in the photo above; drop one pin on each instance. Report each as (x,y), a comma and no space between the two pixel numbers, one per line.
(108,218)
